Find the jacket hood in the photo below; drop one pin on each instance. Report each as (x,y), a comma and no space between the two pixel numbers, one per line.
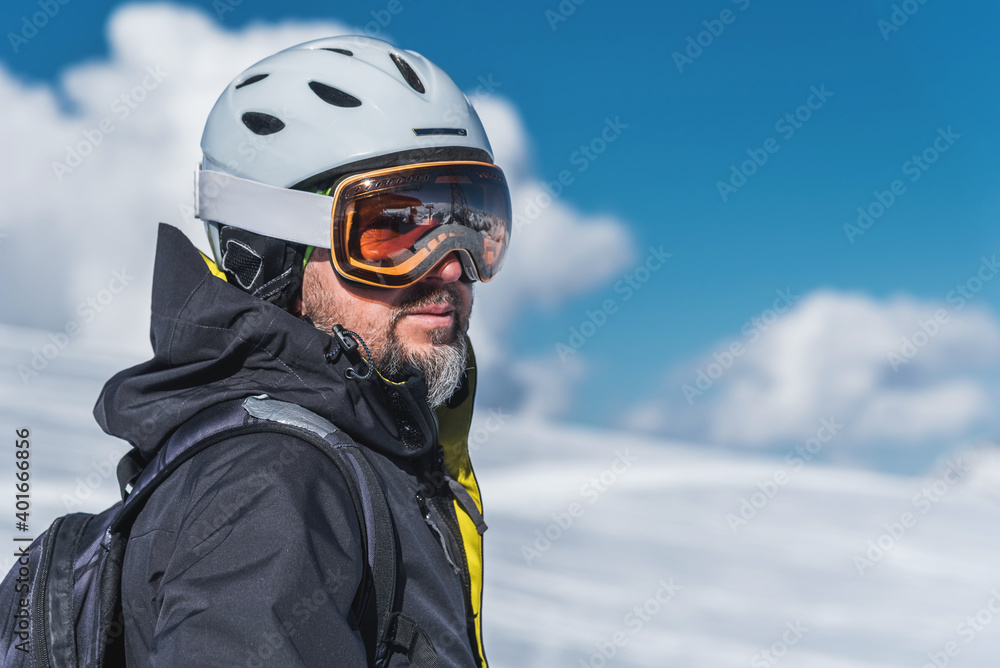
(213,342)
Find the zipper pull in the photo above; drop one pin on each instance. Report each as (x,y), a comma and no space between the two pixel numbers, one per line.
(426,512)
(422,503)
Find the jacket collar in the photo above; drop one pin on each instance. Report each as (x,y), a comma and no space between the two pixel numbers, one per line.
(212,342)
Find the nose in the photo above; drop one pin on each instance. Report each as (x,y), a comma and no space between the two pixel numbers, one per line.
(448,270)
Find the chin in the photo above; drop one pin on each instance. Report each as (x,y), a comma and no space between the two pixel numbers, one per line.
(429,343)
(427,338)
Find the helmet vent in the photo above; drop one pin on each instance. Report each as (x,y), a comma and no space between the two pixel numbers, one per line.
(252,80)
(262,124)
(343,51)
(334,96)
(408,73)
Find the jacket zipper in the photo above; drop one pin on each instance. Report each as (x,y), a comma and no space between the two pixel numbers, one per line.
(39,631)
(445,546)
(446,508)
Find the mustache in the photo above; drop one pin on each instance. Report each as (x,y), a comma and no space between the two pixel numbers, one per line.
(428,296)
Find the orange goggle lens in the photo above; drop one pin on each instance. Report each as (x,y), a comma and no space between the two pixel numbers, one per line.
(390,227)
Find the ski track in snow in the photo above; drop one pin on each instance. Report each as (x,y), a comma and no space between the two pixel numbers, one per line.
(663,520)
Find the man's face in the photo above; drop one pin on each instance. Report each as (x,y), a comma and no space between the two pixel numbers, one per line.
(423,325)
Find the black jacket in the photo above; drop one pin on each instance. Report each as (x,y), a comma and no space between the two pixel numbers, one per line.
(249,554)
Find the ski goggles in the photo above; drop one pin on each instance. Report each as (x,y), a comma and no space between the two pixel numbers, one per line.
(387,227)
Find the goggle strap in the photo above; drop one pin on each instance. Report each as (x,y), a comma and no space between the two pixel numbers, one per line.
(292,215)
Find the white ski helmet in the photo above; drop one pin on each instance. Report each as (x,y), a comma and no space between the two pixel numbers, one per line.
(308,115)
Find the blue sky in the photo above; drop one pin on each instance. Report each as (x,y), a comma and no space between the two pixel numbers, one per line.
(892,92)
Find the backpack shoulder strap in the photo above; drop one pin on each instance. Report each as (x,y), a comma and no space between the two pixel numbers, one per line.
(377,529)
(393,632)
(396,632)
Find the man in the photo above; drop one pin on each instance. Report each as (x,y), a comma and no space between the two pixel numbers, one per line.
(351,201)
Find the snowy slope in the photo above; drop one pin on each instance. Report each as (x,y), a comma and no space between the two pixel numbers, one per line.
(634,523)
(664,519)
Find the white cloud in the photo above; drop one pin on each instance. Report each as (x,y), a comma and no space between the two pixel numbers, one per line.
(872,365)
(943,410)
(546,382)
(70,227)
(69,231)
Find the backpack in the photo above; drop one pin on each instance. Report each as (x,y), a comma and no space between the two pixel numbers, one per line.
(63,596)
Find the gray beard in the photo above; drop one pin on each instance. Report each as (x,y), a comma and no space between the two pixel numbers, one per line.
(443,366)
